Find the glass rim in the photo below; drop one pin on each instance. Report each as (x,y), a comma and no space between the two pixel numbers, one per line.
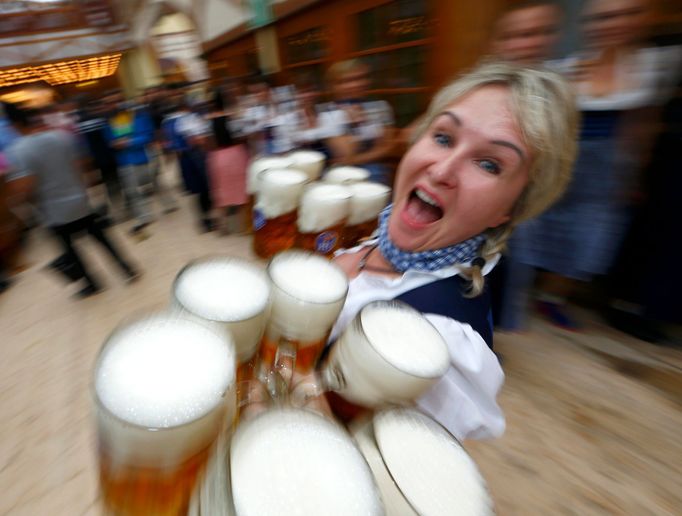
(208,258)
(433,423)
(98,362)
(291,252)
(393,303)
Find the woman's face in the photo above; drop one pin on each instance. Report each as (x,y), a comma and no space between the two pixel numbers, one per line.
(352,84)
(462,176)
(615,23)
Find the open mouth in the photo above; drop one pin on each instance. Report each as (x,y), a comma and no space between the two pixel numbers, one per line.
(421,208)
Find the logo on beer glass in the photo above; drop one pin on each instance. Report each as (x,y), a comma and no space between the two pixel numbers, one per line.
(326,241)
(258,219)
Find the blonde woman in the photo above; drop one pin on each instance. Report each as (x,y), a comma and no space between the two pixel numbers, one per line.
(494,149)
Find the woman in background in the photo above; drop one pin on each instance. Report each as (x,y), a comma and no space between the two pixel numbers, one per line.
(227,164)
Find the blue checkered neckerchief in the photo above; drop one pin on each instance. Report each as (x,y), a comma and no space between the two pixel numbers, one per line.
(464,252)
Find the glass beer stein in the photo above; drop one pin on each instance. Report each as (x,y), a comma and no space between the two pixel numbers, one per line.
(321,217)
(308,292)
(346,175)
(367,201)
(275,213)
(232,292)
(164,390)
(421,469)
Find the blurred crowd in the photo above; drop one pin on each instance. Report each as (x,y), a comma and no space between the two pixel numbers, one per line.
(614,230)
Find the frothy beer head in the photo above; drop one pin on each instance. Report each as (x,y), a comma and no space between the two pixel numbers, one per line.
(260,165)
(164,371)
(308,294)
(346,175)
(429,466)
(279,191)
(405,339)
(367,201)
(323,206)
(227,290)
(296,462)
(168,373)
(310,162)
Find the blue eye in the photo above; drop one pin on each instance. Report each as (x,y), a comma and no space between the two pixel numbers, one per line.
(442,139)
(489,166)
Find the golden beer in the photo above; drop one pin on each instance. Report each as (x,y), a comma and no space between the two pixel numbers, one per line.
(275,212)
(164,390)
(367,201)
(257,166)
(321,217)
(308,293)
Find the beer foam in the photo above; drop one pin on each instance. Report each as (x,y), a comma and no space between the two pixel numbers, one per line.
(164,371)
(296,462)
(308,277)
(405,339)
(260,165)
(310,162)
(367,201)
(433,471)
(279,191)
(323,206)
(346,175)
(223,289)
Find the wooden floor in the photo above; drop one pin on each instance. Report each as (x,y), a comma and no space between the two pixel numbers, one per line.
(594,419)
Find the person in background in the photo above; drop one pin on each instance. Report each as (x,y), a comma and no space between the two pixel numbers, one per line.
(310,124)
(45,168)
(494,149)
(10,228)
(257,114)
(363,128)
(191,133)
(154,105)
(129,131)
(226,164)
(92,128)
(618,81)
(526,33)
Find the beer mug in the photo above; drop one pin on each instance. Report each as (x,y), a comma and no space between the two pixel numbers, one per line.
(308,161)
(255,168)
(308,292)
(367,201)
(164,390)
(421,469)
(346,175)
(390,354)
(321,217)
(261,165)
(292,461)
(229,291)
(274,216)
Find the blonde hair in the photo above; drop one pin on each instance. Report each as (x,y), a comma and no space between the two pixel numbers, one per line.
(544,107)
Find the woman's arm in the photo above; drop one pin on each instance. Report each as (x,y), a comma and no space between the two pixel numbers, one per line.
(464,400)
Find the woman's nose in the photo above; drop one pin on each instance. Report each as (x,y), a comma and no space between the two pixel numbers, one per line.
(444,171)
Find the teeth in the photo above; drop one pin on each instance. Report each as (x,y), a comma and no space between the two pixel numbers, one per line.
(426,198)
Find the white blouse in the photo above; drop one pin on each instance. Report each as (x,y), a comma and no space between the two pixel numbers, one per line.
(464,400)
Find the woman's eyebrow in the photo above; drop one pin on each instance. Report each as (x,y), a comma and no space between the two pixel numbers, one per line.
(511,146)
(503,143)
(454,117)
